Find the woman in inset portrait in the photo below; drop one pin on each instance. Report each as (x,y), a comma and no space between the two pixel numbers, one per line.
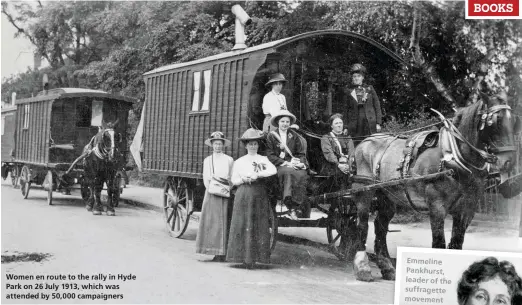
(249,241)
(213,227)
(489,282)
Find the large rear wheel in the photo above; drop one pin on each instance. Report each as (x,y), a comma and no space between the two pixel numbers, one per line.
(25,181)
(342,227)
(177,197)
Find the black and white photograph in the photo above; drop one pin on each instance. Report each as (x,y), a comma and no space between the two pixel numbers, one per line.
(257,151)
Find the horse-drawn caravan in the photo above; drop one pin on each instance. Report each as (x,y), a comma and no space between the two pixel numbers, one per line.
(52,131)
(187,101)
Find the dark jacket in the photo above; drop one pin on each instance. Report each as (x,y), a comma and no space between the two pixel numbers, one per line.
(372,107)
(332,154)
(293,142)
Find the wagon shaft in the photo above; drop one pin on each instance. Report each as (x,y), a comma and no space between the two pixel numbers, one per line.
(379,185)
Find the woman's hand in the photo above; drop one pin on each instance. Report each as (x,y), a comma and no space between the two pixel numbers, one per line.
(344,168)
(378,128)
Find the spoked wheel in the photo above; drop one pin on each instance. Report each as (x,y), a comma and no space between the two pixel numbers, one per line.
(25,181)
(342,227)
(14,176)
(48,186)
(273,228)
(176,201)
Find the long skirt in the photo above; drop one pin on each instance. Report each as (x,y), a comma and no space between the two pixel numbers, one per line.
(293,183)
(213,226)
(363,126)
(249,240)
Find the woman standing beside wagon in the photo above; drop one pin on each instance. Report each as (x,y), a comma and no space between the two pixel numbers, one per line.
(249,240)
(213,228)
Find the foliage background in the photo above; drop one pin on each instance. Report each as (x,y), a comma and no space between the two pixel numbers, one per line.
(109,45)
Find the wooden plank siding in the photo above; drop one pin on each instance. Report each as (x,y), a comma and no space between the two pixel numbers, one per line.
(174,134)
(32,143)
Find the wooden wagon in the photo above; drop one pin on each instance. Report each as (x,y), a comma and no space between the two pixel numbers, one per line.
(52,129)
(8,143)
(185,102)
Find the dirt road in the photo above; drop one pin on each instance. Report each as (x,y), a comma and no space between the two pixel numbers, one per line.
(167,270)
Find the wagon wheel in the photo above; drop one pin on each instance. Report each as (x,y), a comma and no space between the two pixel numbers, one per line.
(14,176)
(48,185)
(342,226)
(25,182)
(175,202)
(272,219)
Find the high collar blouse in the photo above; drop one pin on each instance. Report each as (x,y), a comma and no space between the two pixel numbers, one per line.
(218,163)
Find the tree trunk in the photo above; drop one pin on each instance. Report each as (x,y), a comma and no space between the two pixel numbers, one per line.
(428,70)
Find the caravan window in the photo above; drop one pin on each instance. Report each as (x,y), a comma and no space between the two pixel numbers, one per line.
(26,116)
(201,91)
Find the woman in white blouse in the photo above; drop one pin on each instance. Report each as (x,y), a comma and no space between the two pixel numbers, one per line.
(249,240)
(273,101)
(213,227)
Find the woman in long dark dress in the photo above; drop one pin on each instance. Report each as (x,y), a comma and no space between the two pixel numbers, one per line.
(363,108)
(249,240)
(213,226)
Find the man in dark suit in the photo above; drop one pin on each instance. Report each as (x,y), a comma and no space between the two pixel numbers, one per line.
(363,109)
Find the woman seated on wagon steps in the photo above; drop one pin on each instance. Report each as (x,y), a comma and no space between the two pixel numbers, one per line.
(286,151)
(337,150)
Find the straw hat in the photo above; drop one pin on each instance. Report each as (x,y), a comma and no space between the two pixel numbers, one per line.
(217,135)
(277,77)
(358,68)
(275,119)
(252,134)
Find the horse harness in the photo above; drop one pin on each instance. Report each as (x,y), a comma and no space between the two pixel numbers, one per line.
(446,138)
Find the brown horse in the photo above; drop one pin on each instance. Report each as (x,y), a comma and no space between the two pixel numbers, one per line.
(486,126)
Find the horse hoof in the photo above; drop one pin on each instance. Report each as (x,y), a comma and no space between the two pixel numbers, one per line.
(363,275)
(386,267)
(388,275)
(111,213)
(89,208)
(96,212)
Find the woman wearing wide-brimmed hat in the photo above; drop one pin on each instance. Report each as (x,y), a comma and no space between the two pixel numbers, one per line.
(363,110)
(249,240)
(287,151)
(273,101)
(213,226)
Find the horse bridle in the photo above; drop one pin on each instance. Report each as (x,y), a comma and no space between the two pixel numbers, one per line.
(489,116)
(101,150)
